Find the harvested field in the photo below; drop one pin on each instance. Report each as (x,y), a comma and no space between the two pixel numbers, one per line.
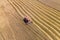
(45,26)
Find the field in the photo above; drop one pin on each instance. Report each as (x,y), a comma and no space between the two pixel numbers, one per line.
(45,26)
